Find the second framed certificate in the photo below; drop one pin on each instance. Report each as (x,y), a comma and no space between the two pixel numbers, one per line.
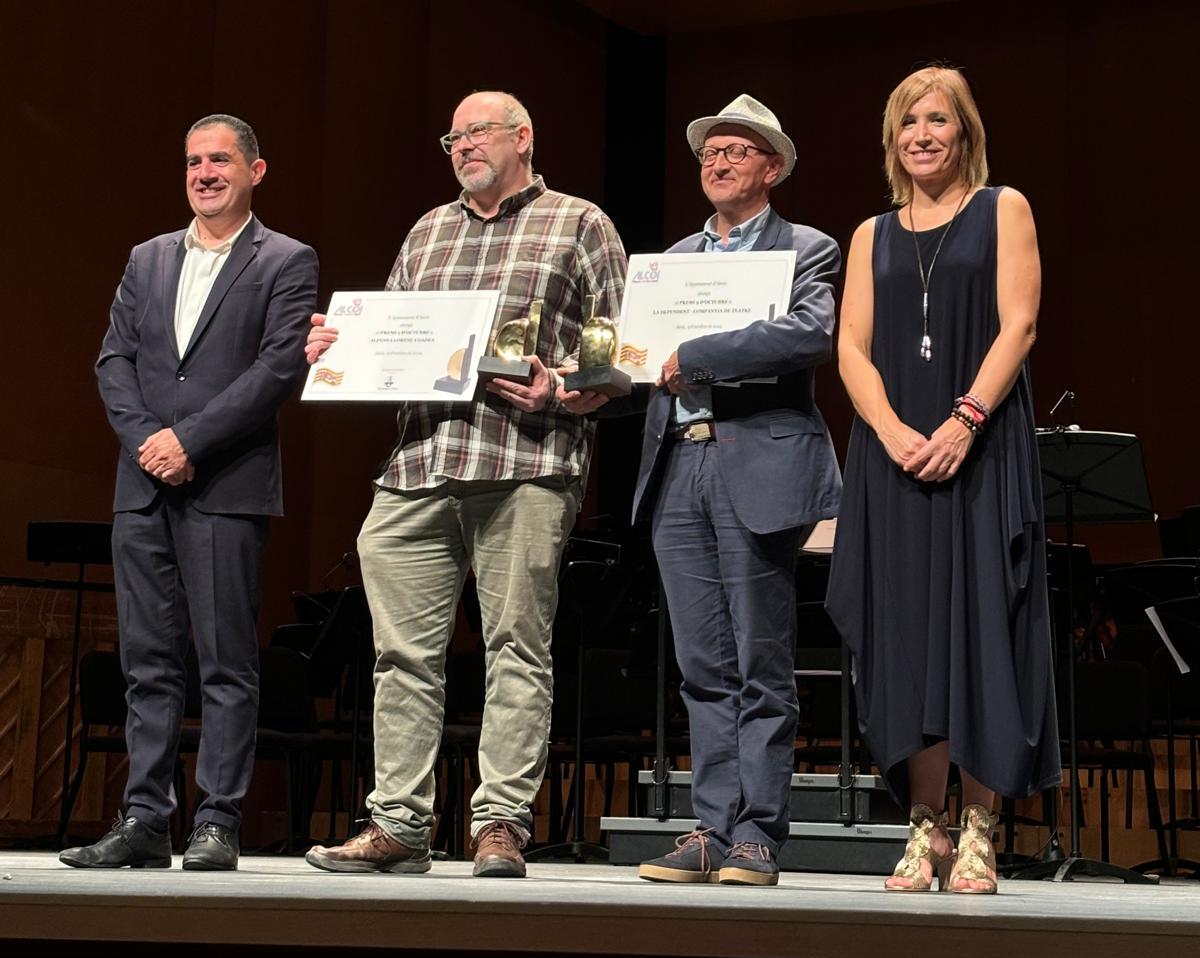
(673,297)
(403,346)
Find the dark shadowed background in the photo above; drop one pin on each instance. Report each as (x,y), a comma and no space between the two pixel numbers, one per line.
(1087,108)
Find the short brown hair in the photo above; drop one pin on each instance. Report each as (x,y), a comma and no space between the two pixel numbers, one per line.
(972,160)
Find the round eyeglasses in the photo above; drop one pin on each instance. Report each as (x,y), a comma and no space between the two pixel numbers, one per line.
(735,153)
(475,134)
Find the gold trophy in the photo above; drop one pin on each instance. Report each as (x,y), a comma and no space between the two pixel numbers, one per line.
(514,340)
(458,370)
(598,356)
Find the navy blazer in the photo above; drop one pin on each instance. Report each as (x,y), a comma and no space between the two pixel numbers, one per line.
(773,448)
(223,394)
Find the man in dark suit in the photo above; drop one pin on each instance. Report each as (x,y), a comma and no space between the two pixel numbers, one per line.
(205,342)
(733,474)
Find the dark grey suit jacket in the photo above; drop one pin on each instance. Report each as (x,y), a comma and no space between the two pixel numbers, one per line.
(222,395)
(773,449)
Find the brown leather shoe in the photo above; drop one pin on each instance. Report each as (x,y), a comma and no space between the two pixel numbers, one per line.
(371,850)
(498,851)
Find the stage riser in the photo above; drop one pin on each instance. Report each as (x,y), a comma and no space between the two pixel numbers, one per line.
(811,846)
(805,805)
(814,798)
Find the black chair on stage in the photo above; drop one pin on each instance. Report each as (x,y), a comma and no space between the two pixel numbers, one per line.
(335,637)
(607,682)
(1127,591)
(460,744)
(287,728)
(1180,536)
(819,669)
(618,711)
(292,646)
(1130,590)
(1179,717)
(1177,622)
(288,732)
(286,721)
(1113,705)
(587,604)
(81,544)
(103,711)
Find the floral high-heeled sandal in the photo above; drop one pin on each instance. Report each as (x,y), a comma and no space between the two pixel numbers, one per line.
(922,821)
(976,858)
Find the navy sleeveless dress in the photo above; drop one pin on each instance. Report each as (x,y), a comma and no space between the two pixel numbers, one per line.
(939,589)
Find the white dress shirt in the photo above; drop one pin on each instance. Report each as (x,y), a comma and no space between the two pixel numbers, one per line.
(696,404)
(200,268)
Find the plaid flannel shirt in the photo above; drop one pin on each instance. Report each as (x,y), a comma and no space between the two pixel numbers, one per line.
(540,245)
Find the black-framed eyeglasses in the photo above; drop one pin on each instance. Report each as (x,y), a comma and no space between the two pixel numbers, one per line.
(734,153)
(476,134)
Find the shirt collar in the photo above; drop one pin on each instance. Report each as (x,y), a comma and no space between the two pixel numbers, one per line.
(510,204)
(191,239)
(743,233)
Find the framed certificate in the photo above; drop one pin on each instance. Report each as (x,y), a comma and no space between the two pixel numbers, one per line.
(671,298)
(403,346)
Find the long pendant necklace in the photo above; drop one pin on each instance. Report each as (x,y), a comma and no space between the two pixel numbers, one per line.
(926,342)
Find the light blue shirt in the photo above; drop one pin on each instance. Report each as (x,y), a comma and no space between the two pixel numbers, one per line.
(697,404)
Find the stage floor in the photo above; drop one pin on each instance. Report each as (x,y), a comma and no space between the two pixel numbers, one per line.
(580,910)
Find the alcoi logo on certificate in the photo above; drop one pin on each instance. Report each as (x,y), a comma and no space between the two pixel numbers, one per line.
(403,346)
(682,296)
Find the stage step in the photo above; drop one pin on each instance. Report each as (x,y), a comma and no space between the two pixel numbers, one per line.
(861,849)
(814,798)
(865,836)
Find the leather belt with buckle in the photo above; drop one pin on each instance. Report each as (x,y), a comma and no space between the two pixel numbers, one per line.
(703,431)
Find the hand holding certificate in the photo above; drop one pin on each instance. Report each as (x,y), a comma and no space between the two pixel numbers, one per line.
(403,346)
(672,298)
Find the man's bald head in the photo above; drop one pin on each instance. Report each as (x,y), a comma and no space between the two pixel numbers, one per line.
(503,106)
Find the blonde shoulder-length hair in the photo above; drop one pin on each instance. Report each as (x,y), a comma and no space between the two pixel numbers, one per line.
(972,160)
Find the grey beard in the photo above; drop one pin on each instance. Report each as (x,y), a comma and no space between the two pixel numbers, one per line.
(474,182)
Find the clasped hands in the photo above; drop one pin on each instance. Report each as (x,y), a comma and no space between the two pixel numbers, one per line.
(163,457)
(935,459)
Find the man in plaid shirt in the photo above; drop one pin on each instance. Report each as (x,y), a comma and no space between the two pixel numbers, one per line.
(493,485)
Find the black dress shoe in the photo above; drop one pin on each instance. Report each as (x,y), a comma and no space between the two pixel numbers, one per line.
(212,848)
(130,842)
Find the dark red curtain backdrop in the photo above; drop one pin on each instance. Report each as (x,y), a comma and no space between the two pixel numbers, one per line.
(1086,106)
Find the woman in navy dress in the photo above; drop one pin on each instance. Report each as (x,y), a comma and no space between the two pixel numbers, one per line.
(938,583)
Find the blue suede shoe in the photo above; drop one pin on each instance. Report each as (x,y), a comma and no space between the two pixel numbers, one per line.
(749,864)
(697,858)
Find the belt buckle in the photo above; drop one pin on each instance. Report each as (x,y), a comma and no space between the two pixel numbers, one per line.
(700,431)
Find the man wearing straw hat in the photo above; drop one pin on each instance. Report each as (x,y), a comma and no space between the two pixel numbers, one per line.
(731,479)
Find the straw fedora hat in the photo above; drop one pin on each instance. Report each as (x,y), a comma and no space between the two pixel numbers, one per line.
(748,112)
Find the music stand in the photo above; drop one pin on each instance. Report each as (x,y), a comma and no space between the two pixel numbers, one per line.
(82,544)
(1177,623)
(1087,477)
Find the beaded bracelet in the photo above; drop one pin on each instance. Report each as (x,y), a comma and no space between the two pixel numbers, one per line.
(972,400)
(966,420)
(967,409)
(979,403)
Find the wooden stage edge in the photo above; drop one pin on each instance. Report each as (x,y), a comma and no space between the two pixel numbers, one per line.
(578,910)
